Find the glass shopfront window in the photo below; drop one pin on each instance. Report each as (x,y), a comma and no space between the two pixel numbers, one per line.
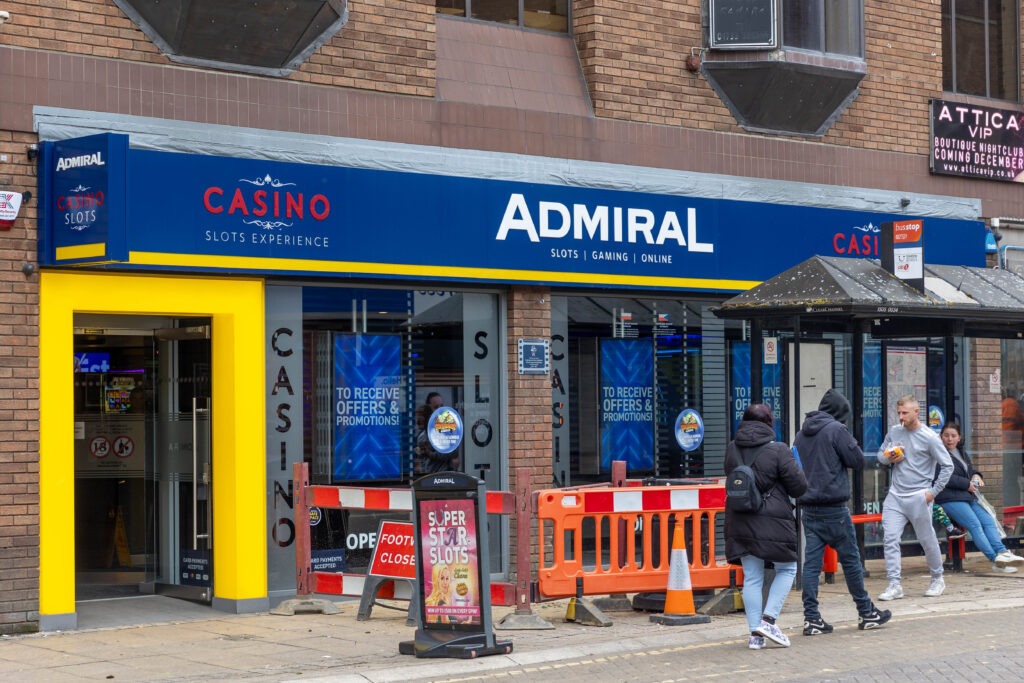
(375,357)
(628,374)
(375,363)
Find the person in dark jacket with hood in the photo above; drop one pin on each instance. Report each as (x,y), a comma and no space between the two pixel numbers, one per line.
(827,450)
(753,539)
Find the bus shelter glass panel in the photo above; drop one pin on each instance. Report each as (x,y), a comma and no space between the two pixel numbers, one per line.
(1011,437)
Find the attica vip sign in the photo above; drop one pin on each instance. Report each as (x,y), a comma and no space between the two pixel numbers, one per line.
(103,202)
(977,142)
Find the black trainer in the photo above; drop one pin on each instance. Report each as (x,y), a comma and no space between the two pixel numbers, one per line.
(816,627)
(873,619)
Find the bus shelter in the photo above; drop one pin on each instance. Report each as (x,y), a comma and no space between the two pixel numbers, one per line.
(849,323)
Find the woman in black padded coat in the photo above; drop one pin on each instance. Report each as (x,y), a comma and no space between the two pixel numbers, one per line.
(753,539)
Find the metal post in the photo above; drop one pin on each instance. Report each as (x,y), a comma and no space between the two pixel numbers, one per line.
(303,568)
(795,388)
(950,396)
(523,617)
(756,389)
(523,516)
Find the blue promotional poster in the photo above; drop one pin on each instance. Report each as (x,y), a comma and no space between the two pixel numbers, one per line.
(872,378)
(367,396)
(771,386)
(627,403)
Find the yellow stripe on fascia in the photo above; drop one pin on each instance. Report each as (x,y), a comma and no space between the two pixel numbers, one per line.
(81,251)
(494,274)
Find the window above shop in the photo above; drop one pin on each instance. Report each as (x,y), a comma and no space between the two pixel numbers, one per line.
(829,26)
(979,48)
(254,36)
(546,15)
(801,86)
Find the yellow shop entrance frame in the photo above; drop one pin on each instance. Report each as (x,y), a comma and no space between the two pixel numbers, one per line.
(236,309)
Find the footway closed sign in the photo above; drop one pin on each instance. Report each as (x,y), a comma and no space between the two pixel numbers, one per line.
(395,555)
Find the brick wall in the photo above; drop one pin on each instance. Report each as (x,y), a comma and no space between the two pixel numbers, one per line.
(903,49)
(19,400)
(633,56)
(529,397)
(387,45)
(985,441)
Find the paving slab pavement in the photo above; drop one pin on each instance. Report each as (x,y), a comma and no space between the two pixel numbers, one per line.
(212,646)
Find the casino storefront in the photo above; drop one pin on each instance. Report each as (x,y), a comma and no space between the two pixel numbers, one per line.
(240,302)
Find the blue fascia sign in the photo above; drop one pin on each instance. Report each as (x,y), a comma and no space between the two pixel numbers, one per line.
(105,203)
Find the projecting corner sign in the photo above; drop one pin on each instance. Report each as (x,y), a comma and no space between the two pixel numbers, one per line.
(83,199)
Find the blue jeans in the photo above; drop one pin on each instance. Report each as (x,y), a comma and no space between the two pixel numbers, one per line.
(753,581)
(831,526)
(979,524)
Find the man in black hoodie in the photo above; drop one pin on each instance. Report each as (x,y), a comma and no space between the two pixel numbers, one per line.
(826,449)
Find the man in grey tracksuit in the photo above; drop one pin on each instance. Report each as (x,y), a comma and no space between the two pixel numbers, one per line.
(913,450)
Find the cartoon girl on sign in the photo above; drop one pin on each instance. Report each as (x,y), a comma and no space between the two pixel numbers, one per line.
(440,593)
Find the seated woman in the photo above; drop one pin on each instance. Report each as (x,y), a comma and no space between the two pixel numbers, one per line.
(960,503)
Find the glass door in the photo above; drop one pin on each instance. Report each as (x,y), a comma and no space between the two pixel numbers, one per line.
(179,475)
(143,457)
(113,393)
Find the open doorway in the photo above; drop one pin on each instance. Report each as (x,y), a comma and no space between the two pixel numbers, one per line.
(143,457)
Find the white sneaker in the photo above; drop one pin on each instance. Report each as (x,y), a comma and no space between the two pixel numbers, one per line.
(1006,558)
(1006,569)
(756,643)
(935,588)
(772,632)
(893,592)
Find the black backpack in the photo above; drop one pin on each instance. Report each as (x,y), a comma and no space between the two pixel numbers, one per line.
(741,492)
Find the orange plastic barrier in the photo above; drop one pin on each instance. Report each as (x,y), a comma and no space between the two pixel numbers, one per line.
(617,540)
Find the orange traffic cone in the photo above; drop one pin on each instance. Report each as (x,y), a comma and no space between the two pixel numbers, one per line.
(679,609)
